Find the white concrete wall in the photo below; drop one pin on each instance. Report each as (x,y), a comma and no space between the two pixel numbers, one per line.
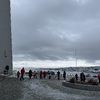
(5,35)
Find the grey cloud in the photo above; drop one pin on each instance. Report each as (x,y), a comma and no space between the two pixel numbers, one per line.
(53,30)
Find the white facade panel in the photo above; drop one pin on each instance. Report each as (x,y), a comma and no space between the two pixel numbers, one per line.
(5,35)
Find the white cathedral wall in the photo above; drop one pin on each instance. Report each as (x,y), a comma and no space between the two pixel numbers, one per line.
(5,35)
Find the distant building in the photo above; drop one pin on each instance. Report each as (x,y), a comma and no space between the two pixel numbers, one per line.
(5,35)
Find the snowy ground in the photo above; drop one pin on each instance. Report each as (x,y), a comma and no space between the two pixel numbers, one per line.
(41,89)
(45,89)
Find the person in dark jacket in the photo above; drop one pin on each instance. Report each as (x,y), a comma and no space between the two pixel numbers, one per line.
(84,78)
(30,73)
(76,76)
(81,76)
(58,74)
(7,67)
(64,75)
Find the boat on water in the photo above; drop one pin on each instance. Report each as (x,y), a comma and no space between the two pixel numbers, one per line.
(96,71)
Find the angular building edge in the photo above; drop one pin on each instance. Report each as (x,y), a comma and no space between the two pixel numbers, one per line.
(5,36)
(11,68)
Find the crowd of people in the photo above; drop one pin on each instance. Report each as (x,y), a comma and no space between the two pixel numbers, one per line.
(82,77)
(41,74)
(44,74)
(21,74)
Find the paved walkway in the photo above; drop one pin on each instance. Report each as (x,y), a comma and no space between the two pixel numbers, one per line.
(42,89)
(53,90)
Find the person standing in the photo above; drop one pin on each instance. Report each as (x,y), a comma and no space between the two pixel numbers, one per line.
(44,74)
(34,74)
(64,75)
(6,69)
(18,74)
(76,76)
(58,74)
(81,76)
(84,78)
(40,74)
(30,73)
(22,73)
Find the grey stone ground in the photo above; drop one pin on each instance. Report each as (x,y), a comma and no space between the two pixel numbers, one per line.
(44,89)
(10,88)
(53,90)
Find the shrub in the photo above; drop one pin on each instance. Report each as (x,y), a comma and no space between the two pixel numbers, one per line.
(95,82)
(72,80)
(92,82)
(89,82)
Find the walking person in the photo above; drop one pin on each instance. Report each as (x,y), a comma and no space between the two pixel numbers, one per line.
(64,75)
(22,73)
(30,73)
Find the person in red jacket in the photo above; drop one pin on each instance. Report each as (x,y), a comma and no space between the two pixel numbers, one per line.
(18,74)
(40,74)
(99,78)
(44,74)
(22,73)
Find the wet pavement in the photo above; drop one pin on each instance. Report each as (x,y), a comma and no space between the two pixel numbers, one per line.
(53,90)
(42,89)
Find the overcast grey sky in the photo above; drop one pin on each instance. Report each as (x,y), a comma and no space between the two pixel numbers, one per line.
(53,29)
